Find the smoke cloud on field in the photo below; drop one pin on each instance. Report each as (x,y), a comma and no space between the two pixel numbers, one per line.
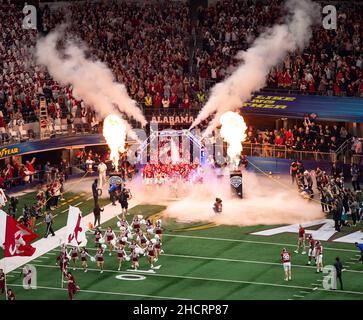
(265,203)
(268,50)
(91,80)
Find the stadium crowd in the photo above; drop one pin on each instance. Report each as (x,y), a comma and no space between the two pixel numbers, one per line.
(148,48)
(308,135)
(337,198)
(331,64)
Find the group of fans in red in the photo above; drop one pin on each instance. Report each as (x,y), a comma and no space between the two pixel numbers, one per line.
(161,173)
(140,238)
(315,253)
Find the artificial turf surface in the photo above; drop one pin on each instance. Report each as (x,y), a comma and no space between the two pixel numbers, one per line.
(219,262)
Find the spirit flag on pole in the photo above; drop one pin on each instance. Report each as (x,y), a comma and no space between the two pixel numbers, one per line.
(15,238)
(76,231)
(3,199)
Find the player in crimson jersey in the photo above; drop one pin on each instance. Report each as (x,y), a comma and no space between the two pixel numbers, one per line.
(319,257)
(301,240)
(311,252)
(286,263)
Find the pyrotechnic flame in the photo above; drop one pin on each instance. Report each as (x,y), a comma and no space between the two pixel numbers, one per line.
(114,131)
(233,132)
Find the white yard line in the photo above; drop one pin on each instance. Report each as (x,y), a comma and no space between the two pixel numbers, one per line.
(234,260)
(43,245)
(76,205)
(108,292)
(298,296)
(248,241)
(214,279)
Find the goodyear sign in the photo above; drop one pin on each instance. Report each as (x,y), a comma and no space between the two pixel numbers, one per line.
(6,152)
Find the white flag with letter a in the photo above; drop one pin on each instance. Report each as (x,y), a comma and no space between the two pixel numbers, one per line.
(76,231)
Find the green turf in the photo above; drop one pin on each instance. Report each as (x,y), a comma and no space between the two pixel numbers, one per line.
(231,264)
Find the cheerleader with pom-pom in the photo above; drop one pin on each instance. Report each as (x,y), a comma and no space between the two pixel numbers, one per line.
(74,256)
(100,259)
(98,236)
(121,256)
(110,238)
(158,230)
(142,240)
(151,254)
(84,255)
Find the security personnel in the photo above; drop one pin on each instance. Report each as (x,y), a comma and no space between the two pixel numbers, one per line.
(293,171)
(49,222)
(338,269)
(148,100)
(95,191)
(113,193)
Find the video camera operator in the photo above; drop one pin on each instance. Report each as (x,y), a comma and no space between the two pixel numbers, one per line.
(124,197)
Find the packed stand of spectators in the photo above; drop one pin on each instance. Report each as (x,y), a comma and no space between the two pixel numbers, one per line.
(145,45)
(309,136)
(331,65)
(342,202)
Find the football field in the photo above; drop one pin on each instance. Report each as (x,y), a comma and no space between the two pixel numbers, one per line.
(200,261)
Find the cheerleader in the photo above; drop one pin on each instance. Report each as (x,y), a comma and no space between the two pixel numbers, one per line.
(136,224)
(84,254)
(151,254)
(158,229)
(132,246)
(142,240)
(149,228)
(135,260)
(100,260)
(122,238)
(121,255)
(72,287)
(110,238)
(74,255)
(98,237)
(157,246)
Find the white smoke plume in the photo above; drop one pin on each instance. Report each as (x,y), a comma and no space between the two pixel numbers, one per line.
(92,81)
(268,50)
(265,202)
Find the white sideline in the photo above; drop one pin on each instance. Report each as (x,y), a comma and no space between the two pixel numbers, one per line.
(216,280)
(108,292)
(43,245)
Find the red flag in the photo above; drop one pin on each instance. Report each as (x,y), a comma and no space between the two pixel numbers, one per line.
(17,239)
